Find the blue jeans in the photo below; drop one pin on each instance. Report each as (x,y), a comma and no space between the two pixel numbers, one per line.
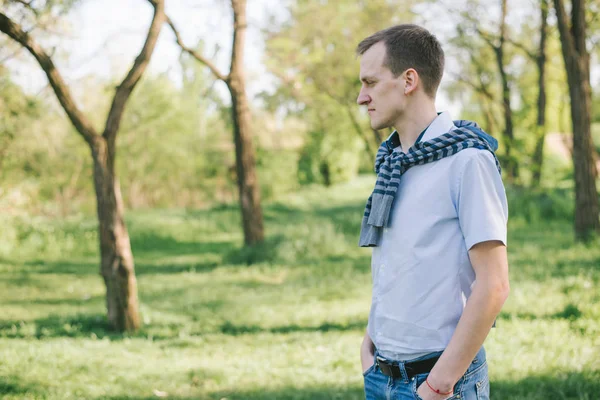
(474,385)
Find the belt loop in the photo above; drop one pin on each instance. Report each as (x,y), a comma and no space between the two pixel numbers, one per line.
(403,371)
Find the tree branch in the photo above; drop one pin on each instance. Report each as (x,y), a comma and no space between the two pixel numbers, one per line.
(487,38)
(196,54)
(478,88)
(139,66)
(522,47)
(28,5)
(81,123)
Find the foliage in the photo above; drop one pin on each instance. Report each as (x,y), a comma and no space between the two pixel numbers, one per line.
(535,206)
(313,55)
(596,136)
(19,112)
(174,148)
(596,106)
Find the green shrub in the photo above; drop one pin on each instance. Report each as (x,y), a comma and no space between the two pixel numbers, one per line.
(328,160)
(298,243)
(540,205)
(277,172)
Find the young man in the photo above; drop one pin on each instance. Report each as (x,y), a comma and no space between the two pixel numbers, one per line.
(437,223)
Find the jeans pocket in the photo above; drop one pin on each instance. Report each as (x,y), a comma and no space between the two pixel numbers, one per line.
(418,381)
(369,370)
(483,388)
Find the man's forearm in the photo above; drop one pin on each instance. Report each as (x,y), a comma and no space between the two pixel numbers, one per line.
(477,319)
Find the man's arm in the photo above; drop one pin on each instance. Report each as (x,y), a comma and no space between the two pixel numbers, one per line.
(490,291)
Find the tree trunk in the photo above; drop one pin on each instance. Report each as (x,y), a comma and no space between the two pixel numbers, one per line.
(586,195)
(249,190)
(577,63)
(325,173)
(117,267)
(538,155)
(509,137)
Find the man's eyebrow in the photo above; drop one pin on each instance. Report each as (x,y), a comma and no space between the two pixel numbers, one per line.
(367,78)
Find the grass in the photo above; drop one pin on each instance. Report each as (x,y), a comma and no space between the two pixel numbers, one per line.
(283,321)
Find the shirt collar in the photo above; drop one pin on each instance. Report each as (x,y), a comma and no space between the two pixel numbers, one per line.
(441,124)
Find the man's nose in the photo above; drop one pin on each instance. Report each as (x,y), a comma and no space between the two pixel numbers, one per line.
(363,99)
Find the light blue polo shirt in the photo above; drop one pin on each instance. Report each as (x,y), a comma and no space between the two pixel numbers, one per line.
(422,275)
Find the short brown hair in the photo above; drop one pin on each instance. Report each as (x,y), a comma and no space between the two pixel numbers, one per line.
(410,46)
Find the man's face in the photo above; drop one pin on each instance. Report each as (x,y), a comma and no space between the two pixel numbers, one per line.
(381,92)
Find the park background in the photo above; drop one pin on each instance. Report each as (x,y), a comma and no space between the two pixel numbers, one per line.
(269,300)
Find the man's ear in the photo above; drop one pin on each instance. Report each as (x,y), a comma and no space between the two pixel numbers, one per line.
(411,78)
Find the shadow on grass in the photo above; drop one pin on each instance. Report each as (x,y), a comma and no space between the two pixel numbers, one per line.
(13,386)
(569,385)
(9,388)
(571,312)
(147,245)
(57,302)
(56,267)
(91,326)
(150,242)
(230,329)
(58,326)
(142,269)
(313,393)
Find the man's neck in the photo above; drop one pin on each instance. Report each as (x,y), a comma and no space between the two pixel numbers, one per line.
(410,127)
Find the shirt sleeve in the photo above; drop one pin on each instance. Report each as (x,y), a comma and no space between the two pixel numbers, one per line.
(482,207)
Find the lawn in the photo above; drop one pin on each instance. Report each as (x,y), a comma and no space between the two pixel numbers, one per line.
(283,321)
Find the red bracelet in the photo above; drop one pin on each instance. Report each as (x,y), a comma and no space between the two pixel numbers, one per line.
(437,391)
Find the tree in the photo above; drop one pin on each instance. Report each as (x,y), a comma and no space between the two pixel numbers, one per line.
(312,54)
(478,75)
(539,57)
(245,155)
(497,44)
(577,64)
(117,264)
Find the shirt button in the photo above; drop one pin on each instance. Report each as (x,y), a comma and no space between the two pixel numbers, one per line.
(382,266)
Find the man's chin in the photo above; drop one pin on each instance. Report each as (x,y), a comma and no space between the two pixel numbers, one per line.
(378,126)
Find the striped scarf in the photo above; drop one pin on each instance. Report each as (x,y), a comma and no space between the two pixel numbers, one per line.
(390,166)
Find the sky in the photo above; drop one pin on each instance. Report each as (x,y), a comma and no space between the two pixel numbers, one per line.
(105,36)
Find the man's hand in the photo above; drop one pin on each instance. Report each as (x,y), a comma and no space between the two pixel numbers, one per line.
(426,393)
(367,353)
